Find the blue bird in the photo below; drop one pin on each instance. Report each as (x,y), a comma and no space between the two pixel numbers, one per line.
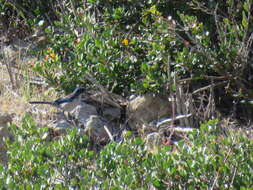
(60,103)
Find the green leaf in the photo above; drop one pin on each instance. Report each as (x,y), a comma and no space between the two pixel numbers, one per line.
(246,6)
(117,14)
(173,87)
(138,141)
(244,20)
(145,84)
(91,1)
(154,10)
(156,183)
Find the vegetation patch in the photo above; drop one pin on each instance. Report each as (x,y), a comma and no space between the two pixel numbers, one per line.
(196,54)
(205,159)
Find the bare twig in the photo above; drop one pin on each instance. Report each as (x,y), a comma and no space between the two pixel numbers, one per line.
(108,133)
(8,63)
(233,177)
(172,119)
(219,30)
(209,86)
(90,78)
(108,97)
(229,77)
(12,92)
(210,108)
(33,80)
(183,129)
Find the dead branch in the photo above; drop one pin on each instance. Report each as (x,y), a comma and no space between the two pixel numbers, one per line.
(172,119)
(209,86)
(105,96)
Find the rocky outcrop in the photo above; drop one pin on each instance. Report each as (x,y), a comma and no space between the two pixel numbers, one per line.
(85,117)
(147,108)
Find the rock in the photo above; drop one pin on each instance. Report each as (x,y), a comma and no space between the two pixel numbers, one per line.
(79,113)
(60,126)
(147,108)
(95,128)
(112,113)
(5,119)
(84,117)
(82,112)
(70,106)
(153,141)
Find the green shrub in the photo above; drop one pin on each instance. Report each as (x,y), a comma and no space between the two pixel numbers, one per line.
(138,46)
(37,162)
(31,12)
(209,158)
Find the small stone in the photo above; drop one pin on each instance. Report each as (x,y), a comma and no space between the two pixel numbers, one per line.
(153,141)
(95,128)
(5,119)
(60,126)
(83,111)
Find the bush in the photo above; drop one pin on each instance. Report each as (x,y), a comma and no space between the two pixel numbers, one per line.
(207,159)
(138,46)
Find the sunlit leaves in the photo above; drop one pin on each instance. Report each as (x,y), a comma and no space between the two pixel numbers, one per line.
(34,162)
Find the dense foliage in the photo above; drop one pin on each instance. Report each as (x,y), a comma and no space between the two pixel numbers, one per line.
(207,160)
(138,46)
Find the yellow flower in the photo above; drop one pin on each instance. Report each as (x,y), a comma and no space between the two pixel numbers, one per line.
(162,46)
(53,55)
(125,42)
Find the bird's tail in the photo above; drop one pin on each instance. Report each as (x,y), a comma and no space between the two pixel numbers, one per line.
(42,102)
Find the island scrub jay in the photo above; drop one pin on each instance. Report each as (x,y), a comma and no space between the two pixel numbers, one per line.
(67,103)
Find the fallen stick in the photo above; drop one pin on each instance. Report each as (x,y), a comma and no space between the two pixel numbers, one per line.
(108,133)
(172,119)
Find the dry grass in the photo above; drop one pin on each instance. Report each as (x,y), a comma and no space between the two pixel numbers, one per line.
(17,88)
